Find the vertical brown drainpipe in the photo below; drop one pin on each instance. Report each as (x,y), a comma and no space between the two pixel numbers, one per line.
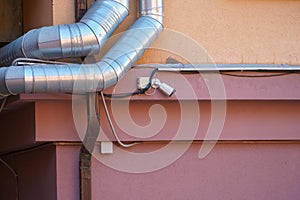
(85,175)
(132,44)
(80,8)
(87,148)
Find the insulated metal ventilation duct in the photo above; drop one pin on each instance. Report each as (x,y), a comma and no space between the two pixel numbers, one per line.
(57,78)
(69,40)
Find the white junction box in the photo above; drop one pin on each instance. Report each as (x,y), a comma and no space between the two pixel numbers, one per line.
(142,82)
(106,147)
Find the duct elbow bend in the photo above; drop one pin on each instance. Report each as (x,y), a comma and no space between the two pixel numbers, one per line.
(70,40)
(89,77)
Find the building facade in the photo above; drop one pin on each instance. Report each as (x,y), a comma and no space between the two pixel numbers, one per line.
(230,134)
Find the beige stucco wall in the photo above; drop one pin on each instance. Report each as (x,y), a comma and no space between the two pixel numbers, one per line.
(60,16)
(230,31)
(238,31)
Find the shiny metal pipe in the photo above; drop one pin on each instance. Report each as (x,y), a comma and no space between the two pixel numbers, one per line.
(152,8)
(76,78)
(69,40)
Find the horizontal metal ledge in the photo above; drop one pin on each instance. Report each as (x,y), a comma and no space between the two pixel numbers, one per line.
(221,67)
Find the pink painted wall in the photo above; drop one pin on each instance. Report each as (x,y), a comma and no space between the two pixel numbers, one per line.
(231,171)
(67,171)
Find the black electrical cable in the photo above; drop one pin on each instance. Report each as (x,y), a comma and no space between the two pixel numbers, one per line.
(137,92)
(25,150)
(144,90)
(124,95)
(3,104)
(16,176)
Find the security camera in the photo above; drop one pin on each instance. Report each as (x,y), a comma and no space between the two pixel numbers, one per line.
(163,87)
